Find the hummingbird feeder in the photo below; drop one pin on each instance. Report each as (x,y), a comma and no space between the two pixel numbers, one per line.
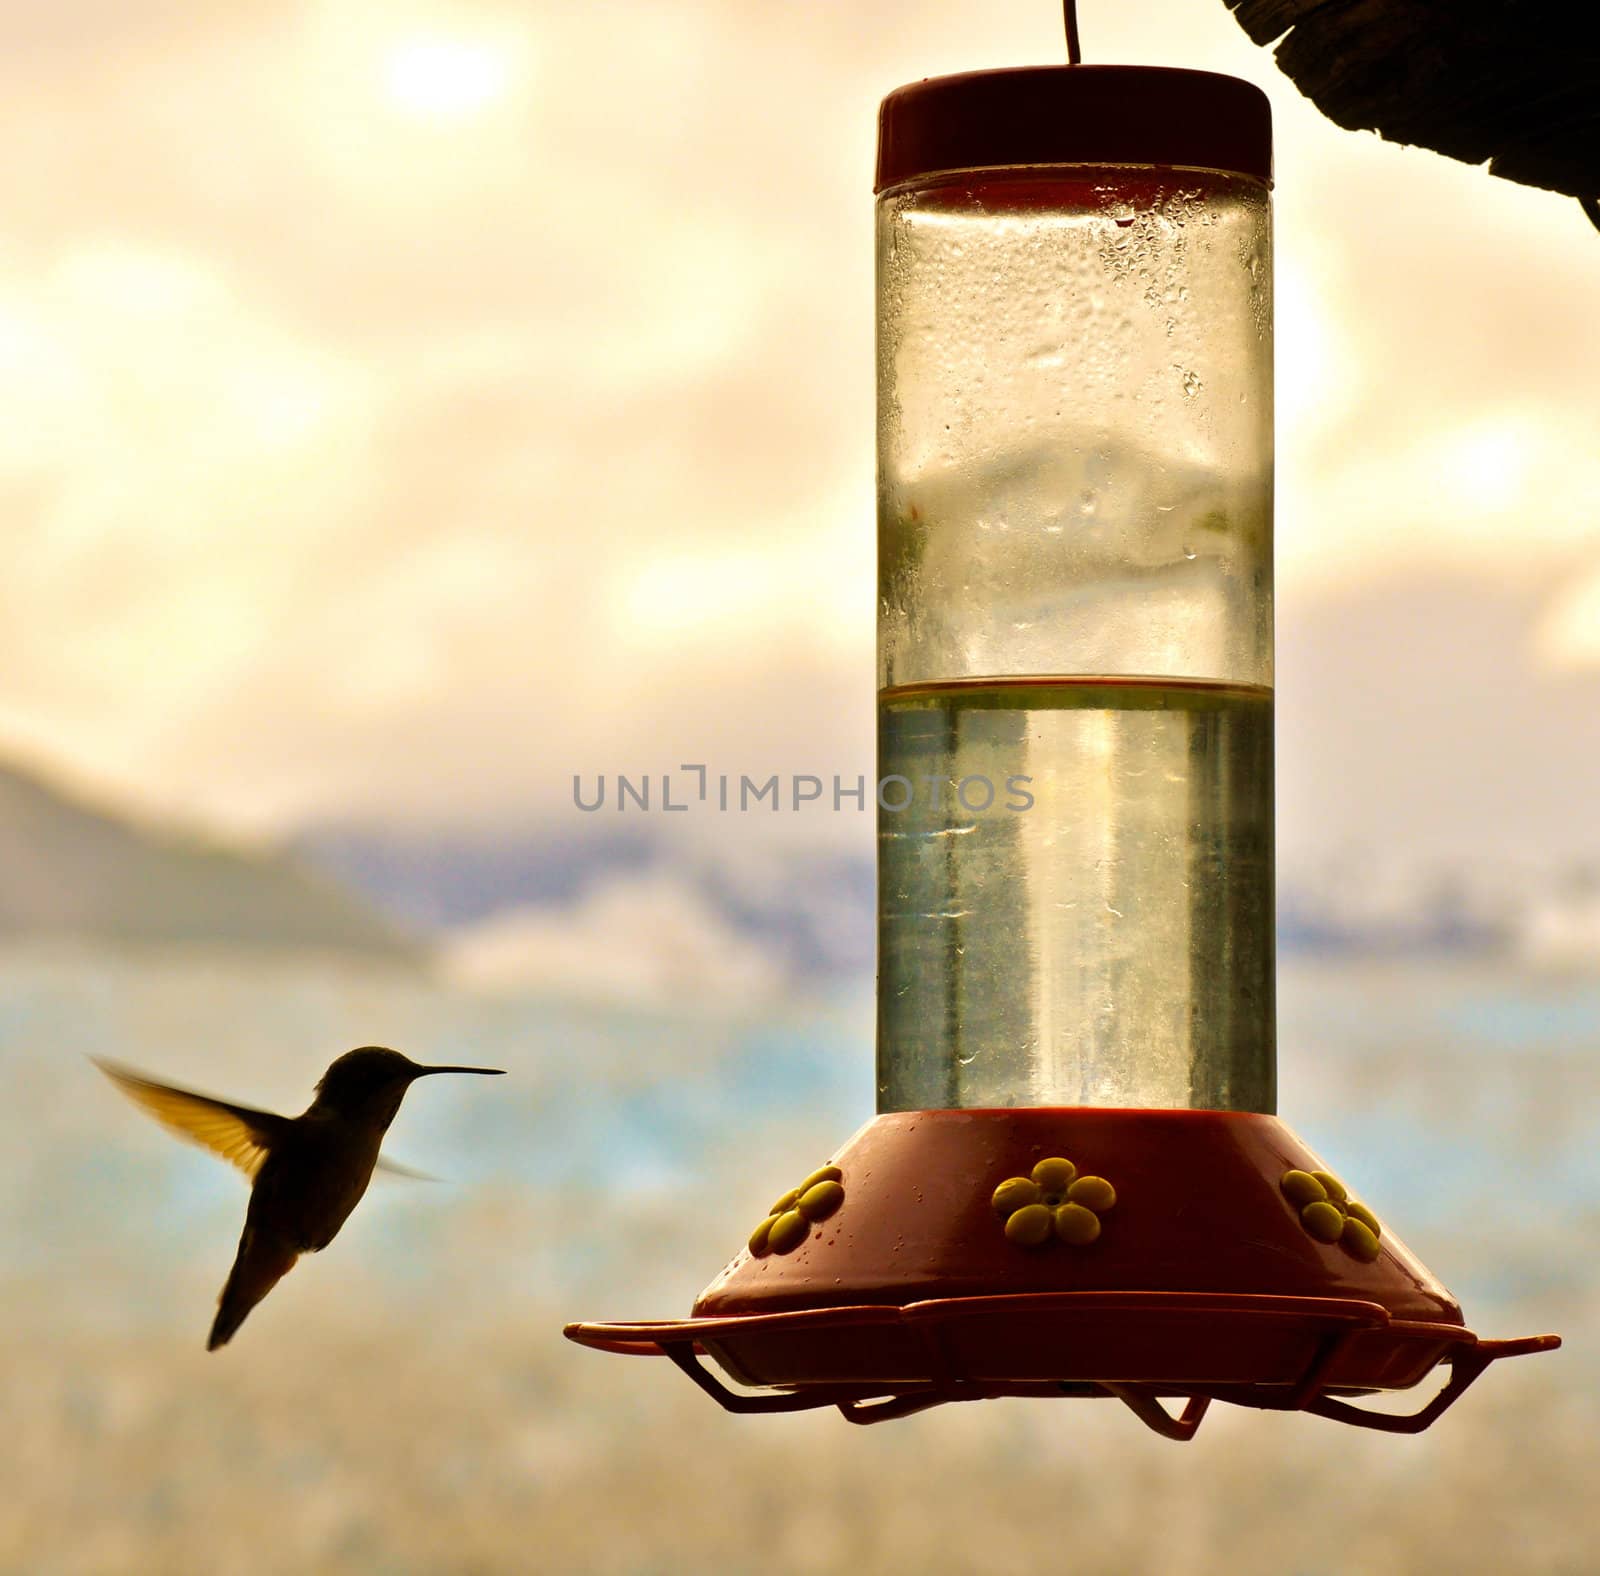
(1076,1184)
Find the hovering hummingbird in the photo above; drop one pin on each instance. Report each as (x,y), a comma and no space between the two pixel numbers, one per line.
(307,1172)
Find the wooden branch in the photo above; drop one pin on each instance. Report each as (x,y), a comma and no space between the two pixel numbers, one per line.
(1511,82)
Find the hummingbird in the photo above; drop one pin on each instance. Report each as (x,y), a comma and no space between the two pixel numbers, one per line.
(307,1172)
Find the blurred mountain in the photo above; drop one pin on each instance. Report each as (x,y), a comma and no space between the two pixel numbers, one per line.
(69,869)
(439,878)
(810,912)
(637,914)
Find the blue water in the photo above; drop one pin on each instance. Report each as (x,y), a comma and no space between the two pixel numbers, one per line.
(1460,1104)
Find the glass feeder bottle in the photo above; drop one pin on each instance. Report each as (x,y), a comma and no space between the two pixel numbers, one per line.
(1074,366)
(1076,1184)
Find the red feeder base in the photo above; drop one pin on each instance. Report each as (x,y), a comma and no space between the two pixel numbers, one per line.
(1199,1273)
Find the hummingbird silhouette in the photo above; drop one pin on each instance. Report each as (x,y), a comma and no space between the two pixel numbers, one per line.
(307,1172)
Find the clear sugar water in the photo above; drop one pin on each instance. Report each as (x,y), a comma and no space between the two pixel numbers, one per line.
(1075,902)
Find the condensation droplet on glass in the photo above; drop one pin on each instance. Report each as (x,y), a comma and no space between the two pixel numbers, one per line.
(1188,552)
(1088,503)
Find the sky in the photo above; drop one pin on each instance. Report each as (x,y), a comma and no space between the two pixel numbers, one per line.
(406,406)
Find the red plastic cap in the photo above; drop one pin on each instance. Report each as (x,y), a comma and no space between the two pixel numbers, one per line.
(1032,115)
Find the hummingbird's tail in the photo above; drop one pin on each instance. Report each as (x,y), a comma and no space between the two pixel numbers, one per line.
(261,1263)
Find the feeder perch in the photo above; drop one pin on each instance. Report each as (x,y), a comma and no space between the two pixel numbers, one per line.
(1076,1185)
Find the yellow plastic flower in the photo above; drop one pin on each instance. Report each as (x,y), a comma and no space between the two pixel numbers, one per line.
(790,1220)
(1053,1201)
(1330,1215)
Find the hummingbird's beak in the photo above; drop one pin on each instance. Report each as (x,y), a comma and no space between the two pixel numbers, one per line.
(423,1072)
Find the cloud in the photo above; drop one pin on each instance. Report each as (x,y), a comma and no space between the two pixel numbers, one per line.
(395,451)
(1567,637)
(1418,719)
(644,940)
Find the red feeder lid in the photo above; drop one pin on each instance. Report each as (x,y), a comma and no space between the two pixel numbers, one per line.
(984,120)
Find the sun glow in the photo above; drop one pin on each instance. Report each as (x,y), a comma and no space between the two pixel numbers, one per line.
(435,77)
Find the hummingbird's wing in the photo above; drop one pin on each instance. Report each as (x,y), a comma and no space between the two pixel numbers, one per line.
(240,1135)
